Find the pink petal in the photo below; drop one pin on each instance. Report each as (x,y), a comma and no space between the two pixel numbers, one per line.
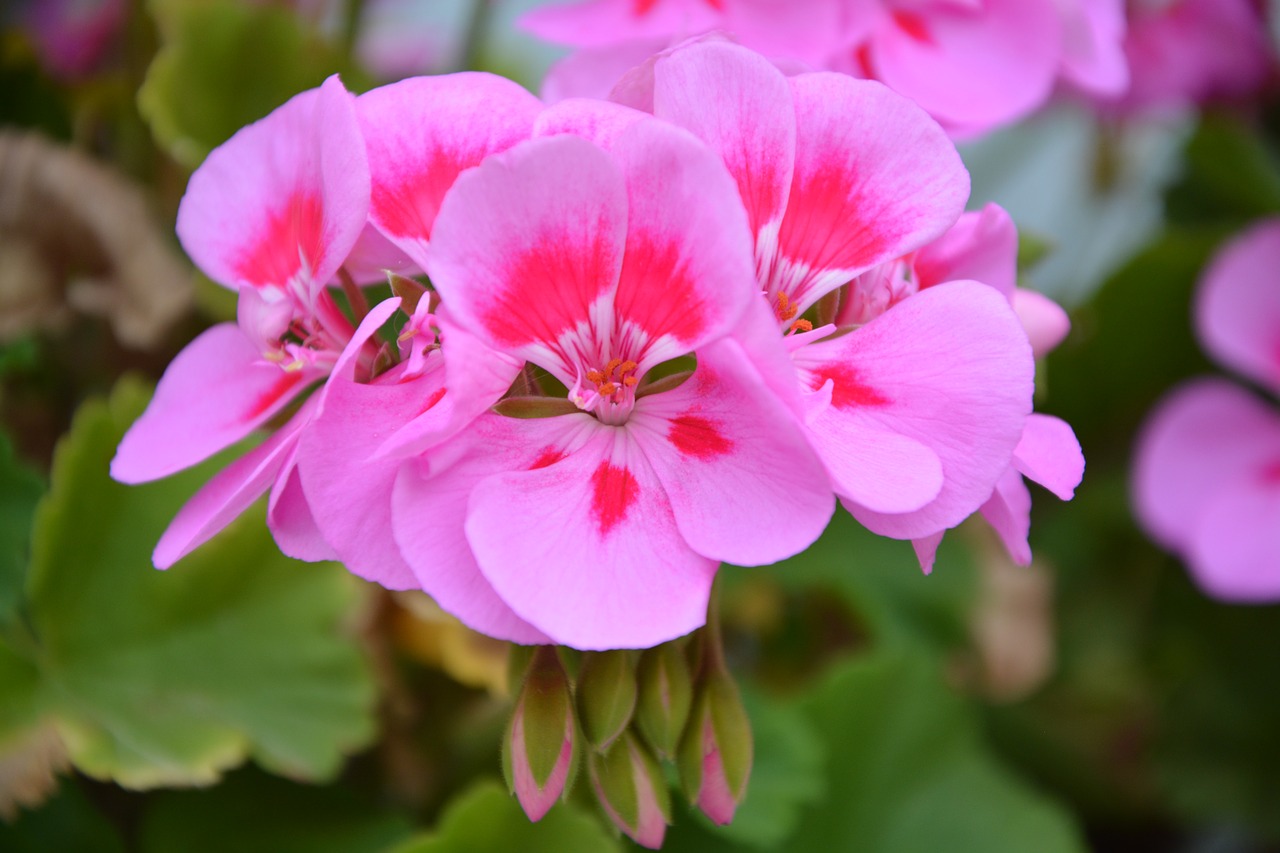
(687,272)
(1008,511)
(586,547)
(429,510)
(285,197)
(874,179)
(1234,546)
(593,72)
(1204,436)
(422,133)
(290,519)
(1093,45)
(529,242)
(740,105)
(1238,305)
(373,256)
(972,67)
(602,23)
(742,482)
(214,393)
(601,122)
(981,246)
(949,368)
(230,492)
(1049,454)
(1044,321)
(784,29)
(926,548)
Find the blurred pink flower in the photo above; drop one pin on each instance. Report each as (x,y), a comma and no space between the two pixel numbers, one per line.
(1207,467)
(1185,53)
(73,36)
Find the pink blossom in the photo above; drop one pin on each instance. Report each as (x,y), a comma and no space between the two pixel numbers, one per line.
(1207,469)
(1093,55)
(272,213)
(604,247)
(842,180)
(72,36)
(1188,52)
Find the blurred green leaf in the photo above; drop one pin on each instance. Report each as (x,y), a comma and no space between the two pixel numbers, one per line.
(20,490)
(171,677)
(1230,176)
(881,580)
(251,812)
(486,818)
(225,64)
(908,771)
(68,822)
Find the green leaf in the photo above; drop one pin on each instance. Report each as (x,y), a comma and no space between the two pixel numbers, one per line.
(158,678)
(20,490)
(907,770)
(223,65)
(67,822)
(1230,175)
(485,818)
(251,812)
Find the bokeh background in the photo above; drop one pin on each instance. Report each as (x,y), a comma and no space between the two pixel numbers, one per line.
(1096,700)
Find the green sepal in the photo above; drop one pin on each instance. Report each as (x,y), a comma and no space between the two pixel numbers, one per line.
(606,695)
(547,708)
(613,777)
(665,695)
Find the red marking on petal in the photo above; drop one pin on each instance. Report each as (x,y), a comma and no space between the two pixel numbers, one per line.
(828,226)
(694,435)
(435,397)
(550,289)
(286,383)
(290,233)
(718,5)
(549,456)
(657,292)
(913,25)
(847,390)
(613,492)
(1271,474)
(406,202)
(644,7)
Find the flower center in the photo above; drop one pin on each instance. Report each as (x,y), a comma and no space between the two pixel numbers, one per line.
(609,391)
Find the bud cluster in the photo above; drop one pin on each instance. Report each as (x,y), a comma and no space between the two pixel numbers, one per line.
(626,713)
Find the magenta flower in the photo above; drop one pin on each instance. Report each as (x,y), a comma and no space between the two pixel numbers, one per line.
(598,259)
(1207,468)
(1188,52)
(272,213)
(916,414)
(72,36)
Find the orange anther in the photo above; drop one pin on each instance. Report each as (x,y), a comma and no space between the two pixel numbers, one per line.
(802,326)
(608,389)
(630,381)
(611,366)
(626,367)
(595,377)
(785,309)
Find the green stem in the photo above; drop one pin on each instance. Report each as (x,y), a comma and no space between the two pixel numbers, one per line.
(473,37)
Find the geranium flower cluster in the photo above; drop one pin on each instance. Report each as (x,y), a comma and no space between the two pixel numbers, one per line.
(659,335)
(1207,467)
(972,64)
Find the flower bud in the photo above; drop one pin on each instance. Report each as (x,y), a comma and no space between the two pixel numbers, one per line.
(632,790)
(606,695)
(665,694)
(716,751)
(541,745)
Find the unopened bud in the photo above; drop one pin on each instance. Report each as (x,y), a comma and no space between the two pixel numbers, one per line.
(542,743)
(665,694)
(606,695)
(716,751)
(632,790)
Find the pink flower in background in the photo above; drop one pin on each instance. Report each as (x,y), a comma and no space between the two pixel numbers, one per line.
(73,36)
(915,414)
(598,259)
(272,213)
(1207,470)
(972,64)
(1188,52)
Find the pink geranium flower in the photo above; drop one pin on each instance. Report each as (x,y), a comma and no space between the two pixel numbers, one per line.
(271,213)
(606,246)
(915,411)
(1207,469)
(1188,52)
(73,36)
